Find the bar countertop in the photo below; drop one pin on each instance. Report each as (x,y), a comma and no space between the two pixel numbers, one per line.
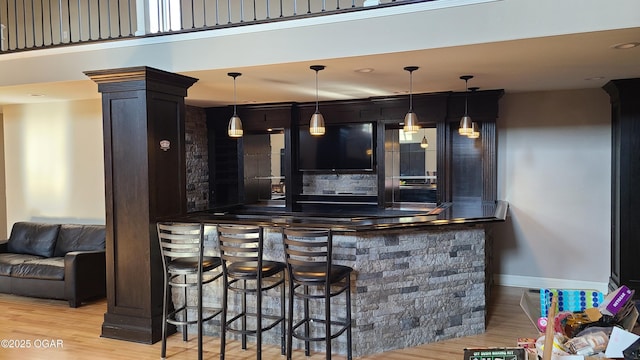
(344,220)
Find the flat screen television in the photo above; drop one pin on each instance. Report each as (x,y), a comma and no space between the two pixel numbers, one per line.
(342,147)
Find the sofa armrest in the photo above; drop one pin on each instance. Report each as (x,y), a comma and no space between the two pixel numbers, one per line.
(85,276)
(4,247)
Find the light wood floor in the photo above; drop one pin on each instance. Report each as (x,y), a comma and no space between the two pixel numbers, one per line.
(34,322)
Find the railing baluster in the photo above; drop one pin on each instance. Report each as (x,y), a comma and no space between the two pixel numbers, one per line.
(193,19)
(79,21)
(99,20)
(217,13)
(254,10)
(33,23)
(119,22)
(17,30)
(109,31)
(42,29)
(69,20)
(130,18)
(60,21)
(89,19)
(50,23)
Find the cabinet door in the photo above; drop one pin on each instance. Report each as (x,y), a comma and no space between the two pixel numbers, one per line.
(625,177)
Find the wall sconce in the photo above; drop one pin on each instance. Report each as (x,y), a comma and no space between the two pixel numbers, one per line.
(165,145)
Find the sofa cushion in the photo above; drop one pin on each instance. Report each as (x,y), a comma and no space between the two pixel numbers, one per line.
(8,260)
(44,269)
(33,238)
(72,237)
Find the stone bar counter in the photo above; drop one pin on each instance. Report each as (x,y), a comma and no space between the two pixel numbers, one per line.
(419,277)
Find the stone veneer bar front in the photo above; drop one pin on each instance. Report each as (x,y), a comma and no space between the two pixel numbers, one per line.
(411,286)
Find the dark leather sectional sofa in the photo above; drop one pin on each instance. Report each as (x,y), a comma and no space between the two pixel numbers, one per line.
(56,261)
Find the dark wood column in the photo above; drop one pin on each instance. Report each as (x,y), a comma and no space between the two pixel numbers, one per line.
(625,177)
(141,107)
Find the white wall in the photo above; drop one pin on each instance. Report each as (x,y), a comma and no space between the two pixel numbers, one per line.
(554,163)
(54,162)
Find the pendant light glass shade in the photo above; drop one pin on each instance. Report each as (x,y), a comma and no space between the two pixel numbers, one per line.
(475,133)
(411,119)
(424,143)
(316,125)
(235,124)
(466,124)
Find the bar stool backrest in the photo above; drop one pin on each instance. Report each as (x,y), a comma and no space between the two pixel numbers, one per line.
(308,248)
(180,241)
(241,244)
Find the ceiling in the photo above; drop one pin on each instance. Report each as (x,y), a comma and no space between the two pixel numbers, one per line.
(576,61)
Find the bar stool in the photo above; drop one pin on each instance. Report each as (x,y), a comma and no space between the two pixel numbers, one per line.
(309,262)
(182,248)
(241,250)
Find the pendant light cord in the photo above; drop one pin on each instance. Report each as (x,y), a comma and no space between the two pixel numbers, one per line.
(466,92)
(466,95)
(316,90)
(411,91)
(234,97)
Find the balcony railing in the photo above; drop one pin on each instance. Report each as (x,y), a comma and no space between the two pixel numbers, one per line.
(35,24)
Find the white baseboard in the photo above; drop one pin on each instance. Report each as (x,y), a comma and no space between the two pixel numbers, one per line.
(548,283)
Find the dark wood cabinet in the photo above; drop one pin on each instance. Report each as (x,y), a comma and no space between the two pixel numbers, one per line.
(466,168)
(625,177)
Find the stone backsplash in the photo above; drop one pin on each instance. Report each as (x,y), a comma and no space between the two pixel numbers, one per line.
(334,184)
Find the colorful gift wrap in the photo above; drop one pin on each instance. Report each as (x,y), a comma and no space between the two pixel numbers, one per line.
(569,300)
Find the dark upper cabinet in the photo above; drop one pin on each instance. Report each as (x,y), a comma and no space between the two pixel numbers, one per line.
(262,118)
(625,177)
(466,168)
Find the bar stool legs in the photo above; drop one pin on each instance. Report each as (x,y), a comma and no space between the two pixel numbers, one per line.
(182,248)
(243,264)
(309,263)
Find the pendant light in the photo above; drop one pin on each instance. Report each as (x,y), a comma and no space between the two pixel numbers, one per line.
(235,124)
(424,143)
(475,132)
(316,126)
(466,124)
(411,119)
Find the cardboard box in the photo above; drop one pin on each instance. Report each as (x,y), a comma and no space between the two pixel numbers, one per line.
(616,300)
(495,354)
